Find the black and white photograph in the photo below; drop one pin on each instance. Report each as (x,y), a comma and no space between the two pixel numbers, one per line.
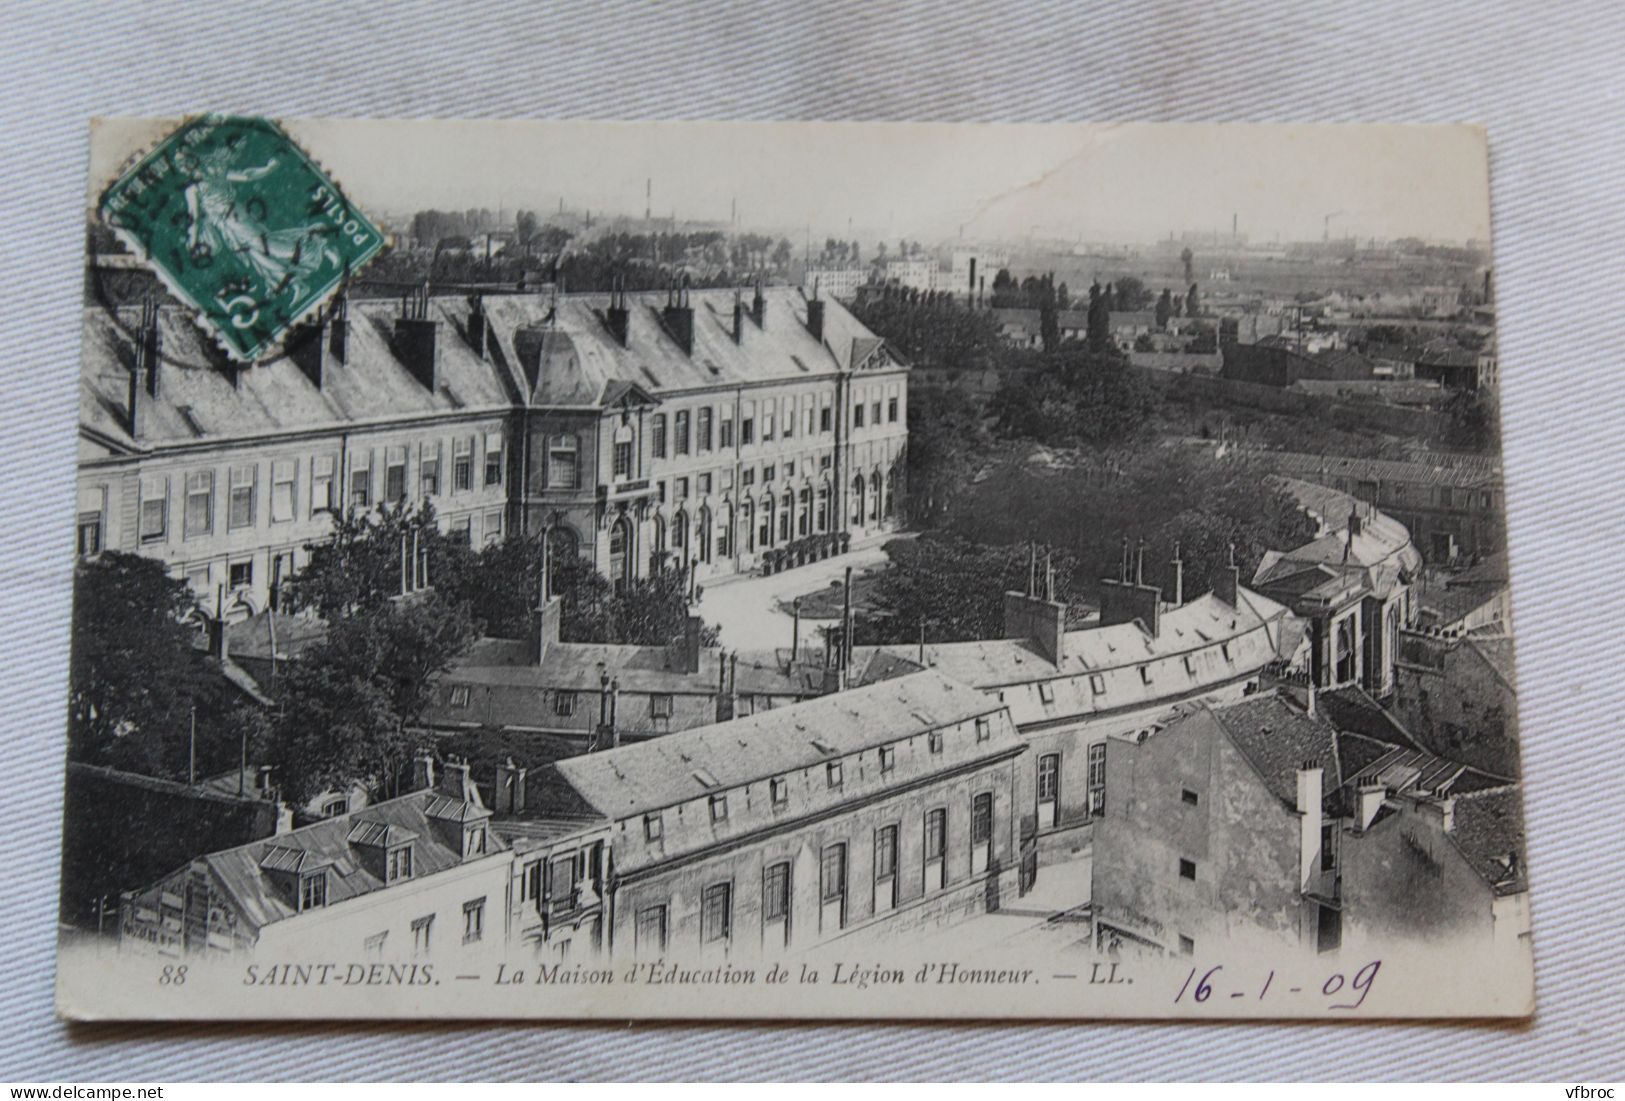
(811,570)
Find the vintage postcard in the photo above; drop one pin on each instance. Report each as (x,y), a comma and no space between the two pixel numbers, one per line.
(608,570)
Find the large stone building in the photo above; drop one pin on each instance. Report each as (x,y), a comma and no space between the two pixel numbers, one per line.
(890,805)
(697,428)
(1069,691)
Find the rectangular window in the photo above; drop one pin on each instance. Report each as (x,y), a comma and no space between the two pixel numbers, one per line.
(1328,852)
(240,502)
(891,410)
(681,487)
(703,428)
(400,864)
(284,479)
(1187,946)
(776,892)
(936,845)
(725,434)
(788,418)
(682,432)
(361,480)
(767,425)
(493,458)
(462,465)
(1046,691)
(562,462)
(154,522)
(874,414)
(422,934)
(395,474)
(1097,779)
(622,467)
(199,503)
(984,729)
(240,575)
(832,774)
(322,469)
(660,705)
(716,913)
(857,416)
(824,419)
(719,808)
(885,852)
(651,930)
(779,789)
(473,920)
(313,891)
(90,534)
(653,827)
(832,875)
(493,527)
(1188,797)
(657,441)
(934,741)
(429,469)
(888,758)
(705,485)
(564,703)
(1187,869)
(747,431)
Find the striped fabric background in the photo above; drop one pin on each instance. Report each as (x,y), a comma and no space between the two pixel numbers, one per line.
(1544,77)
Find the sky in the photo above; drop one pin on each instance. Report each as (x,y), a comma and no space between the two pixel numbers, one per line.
(932,182)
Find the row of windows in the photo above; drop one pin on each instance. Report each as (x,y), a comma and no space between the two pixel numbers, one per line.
(243,488)
(834,778)
(717,899)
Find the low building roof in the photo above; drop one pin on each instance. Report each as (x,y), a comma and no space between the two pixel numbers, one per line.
(1487,828)
(1410,472)
(636,779)
(330,844)
(1277,738)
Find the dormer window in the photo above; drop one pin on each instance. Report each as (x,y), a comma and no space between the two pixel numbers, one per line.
(719,808)
(984,729)
(474,840)
(399,865)
(779,787)
(934,741)
(312,891)
(653,828)
(459,695)
(1145,674)
(1097,684)
(832,774)
(888,758)
(1046,691)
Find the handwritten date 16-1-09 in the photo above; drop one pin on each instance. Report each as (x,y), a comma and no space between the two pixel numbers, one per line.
(1340,991)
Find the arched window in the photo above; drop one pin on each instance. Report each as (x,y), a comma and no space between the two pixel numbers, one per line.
(764,529)
(891,493)
(804,512)
(703,532)
(657,546)
(857,501)
(725,532)
(874,497)
(787,505)
(679,537)
(823,507)
(620,553)
(747,524)
(563,545)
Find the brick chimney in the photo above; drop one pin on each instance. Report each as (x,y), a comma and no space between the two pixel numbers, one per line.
(739,320)
(338,340)
(456,783)
(417,339)
(479,325)
(616,319)
(146,379)
(510,788)
(423,771)
(310,347)
(1126,599)
(678,316)
(1229,580)
(1036,614)
(815,314)
(1309,820)
(758,305)
(1179,577)
(1369,794)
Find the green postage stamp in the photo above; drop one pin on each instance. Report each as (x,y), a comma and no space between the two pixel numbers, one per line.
(242,226)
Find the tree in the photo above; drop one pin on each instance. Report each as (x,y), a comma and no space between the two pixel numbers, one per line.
(1076,397)
(525,230)
(135,676)
(1165,309)
(1185,258)
(1097,325)
(346,708)
(782,253)
(954,587)
(946,440)
(1132,294)
(368,560)
(1193,307)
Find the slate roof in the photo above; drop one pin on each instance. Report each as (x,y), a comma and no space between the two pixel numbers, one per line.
(240,872)
(1488,831)
(632,780)
(1277,738)
(555,351)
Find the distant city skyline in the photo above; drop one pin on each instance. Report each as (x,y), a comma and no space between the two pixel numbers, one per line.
(932,182)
